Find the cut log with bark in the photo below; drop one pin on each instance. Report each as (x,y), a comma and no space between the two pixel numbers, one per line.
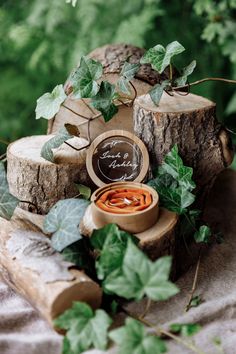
(190,122)
(157,241)
(112,58)
(33,179)
(36,271)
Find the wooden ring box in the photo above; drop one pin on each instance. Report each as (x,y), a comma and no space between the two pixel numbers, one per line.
(136,222)
(118,159)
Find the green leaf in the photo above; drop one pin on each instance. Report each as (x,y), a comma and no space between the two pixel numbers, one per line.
(79,254)
(85,329)
(173,165)
(172,196)
(63,221)
(174,183)
(203,234)
(138,277)
(84,78)
(53,143)
(111,242)
(160,57)
(133,338)
(84,191)
(8,202)
(186,330)
(129,70)
(184,73)
(103,101)
(123,85)
(157,91)
(49,103)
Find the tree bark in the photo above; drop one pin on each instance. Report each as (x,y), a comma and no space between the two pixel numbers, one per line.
(112,58)
(34,179)
(50,297)
(190,122)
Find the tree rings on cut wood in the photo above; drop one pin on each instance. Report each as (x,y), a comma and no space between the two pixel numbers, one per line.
(33,179)
(190,122)
(112,58)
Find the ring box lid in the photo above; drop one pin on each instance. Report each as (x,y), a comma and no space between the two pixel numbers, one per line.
(117,155)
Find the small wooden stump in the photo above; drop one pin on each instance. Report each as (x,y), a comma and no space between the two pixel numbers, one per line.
(190,122)
(50,297)
(33,179)
(157,241)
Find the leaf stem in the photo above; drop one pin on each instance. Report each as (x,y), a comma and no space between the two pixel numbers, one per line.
(204,80)
(171,72)
(3,141)
(78,114)
(3,156)
(147,307)
(194,286)
(161,331)
(135,91)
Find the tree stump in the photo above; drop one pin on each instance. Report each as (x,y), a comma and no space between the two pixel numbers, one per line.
(157,241)
(32,268)
(112,58)
(33,179)
(190,122)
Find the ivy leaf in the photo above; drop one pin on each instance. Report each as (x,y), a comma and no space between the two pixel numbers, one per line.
(111,242)
(79,254)
(203,234)
(138,277)
(63,221)
(157,91)
(84,78)
(84,191)
(184,73)
(49,104)
(123,85)
(55,142)
(8,202)
(103,101)
(160,57)
(174,183)
(173,165)
(172,196)
(129,70)
(134,338)
(186,330)
(85,329)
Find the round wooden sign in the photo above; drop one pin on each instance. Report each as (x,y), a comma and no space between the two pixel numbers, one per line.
(117,155)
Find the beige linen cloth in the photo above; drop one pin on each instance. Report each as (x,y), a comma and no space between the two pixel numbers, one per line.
(23,331)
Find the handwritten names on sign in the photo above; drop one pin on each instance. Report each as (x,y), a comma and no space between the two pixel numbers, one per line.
(117,159)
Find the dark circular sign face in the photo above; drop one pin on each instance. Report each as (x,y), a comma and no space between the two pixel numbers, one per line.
(117,158)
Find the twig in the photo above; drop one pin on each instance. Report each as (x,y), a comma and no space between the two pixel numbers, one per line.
(161,331)
(3,141)
(88,106)
(78,114)
(147,307)
(123,103)
(204,80)
(3,156)
(30,203)
(135,91)
(194,286)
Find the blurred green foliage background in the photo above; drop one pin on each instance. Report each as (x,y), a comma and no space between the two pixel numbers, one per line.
(42,40)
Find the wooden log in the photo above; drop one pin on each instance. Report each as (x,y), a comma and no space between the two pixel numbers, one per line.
(51,288)
(190,122)
(157,241)
(34,179)
(112,58)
